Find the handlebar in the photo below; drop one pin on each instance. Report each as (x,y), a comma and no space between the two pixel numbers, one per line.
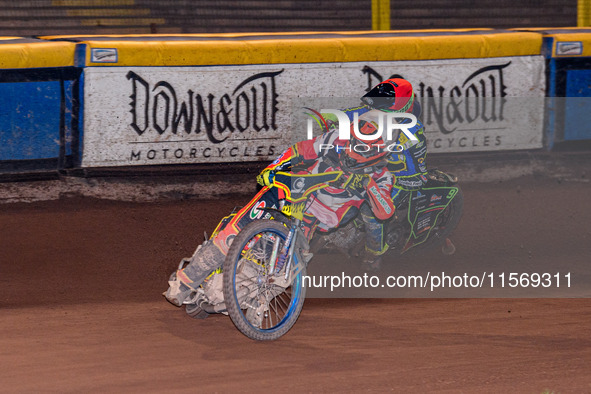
(298,187)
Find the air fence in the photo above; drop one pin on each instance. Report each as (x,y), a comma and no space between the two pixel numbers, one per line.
(133,102)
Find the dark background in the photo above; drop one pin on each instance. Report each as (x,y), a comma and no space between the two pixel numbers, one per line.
(40,17)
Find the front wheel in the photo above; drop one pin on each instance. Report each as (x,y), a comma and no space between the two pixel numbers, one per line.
(262,305)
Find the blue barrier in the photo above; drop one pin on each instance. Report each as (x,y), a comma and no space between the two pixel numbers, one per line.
(568,108)
(30,120)
(577,111)
(39,104)
(39,122)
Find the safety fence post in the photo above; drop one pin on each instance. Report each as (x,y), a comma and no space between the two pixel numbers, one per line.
(380,14)
(584,13)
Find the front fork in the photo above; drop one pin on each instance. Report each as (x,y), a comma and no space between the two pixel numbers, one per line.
(295,239)
(287,252)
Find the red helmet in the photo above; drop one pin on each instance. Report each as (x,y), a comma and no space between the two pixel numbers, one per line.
(360,154)
(392,95)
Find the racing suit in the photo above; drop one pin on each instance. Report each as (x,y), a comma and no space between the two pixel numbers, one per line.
(326,207)
(408,167)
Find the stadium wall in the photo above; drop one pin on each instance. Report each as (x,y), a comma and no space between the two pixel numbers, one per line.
(164,101)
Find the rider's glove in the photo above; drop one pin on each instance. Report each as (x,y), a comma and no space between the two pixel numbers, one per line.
(357,183)
(332,125)
(265,178)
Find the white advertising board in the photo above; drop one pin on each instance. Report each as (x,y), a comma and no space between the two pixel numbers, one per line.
(177,115)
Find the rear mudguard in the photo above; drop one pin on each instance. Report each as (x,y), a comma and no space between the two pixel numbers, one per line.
(427,204)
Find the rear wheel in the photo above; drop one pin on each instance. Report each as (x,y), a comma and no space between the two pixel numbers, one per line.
(446,223)
(262,305)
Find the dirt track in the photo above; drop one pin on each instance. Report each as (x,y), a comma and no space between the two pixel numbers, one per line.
(81,307)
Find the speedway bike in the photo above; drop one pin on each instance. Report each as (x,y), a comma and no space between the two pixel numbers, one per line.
(260,284)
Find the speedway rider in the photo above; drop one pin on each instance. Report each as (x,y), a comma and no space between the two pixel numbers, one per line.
(332,205)
(394,95)
(366,185)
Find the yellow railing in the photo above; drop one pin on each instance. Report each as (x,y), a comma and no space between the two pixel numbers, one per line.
(380,14)
(584,13)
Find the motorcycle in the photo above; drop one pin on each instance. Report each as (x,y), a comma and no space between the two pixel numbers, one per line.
(260,284)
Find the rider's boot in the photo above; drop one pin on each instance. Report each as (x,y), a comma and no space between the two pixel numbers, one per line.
(207,258)
(375,244)
(370,261)
(177,291)
(310,225)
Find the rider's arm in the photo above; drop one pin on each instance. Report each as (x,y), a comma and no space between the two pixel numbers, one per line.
(410,164)
(384,179)
(379,191)
(417,151)
(301,154)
